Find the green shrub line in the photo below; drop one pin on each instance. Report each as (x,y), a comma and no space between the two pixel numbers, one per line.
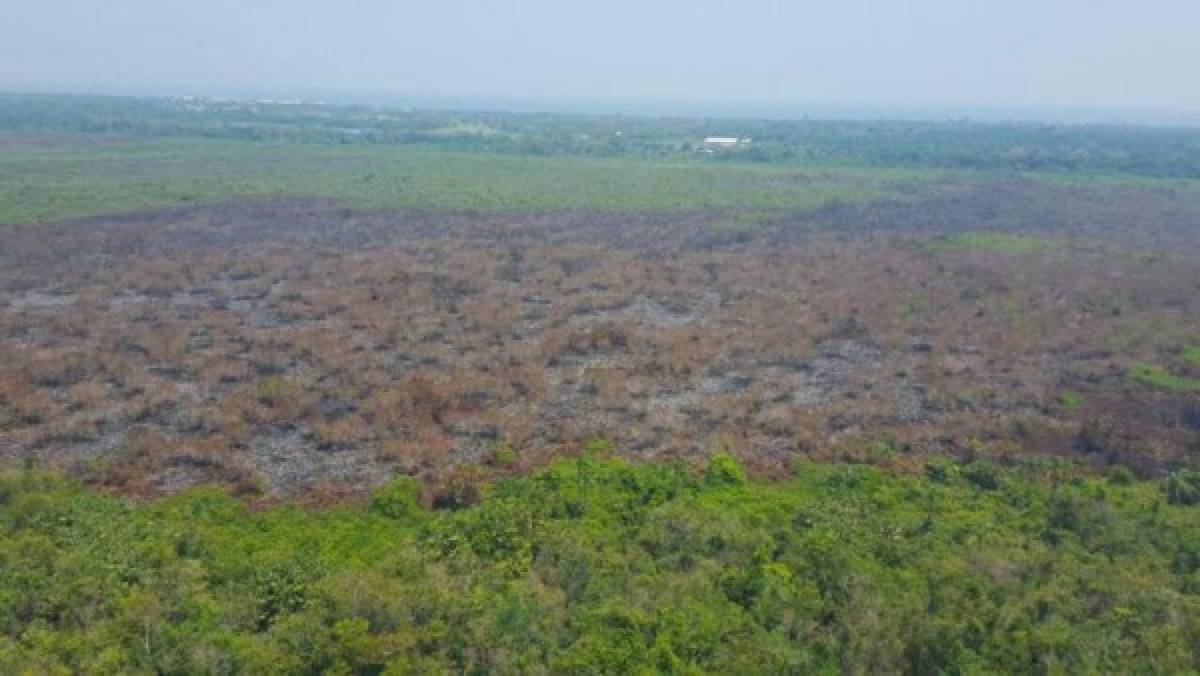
(1163,379)
(1070,400)
(1191,354)
(599,566)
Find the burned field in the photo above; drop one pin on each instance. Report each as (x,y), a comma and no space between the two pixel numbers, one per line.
(286,346)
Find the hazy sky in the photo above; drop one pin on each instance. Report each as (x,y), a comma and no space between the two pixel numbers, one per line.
(1124,54)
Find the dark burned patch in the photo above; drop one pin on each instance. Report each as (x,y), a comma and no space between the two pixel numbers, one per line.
(1158,218)
(325,224)
(1152,217)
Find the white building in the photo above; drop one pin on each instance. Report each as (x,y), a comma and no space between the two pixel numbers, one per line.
(714,142)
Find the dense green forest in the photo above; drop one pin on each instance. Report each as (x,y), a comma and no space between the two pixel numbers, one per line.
(597,566)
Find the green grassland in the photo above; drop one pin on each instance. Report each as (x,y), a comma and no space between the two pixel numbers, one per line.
(596,566)
(1191,354)
(47,183)
(71,156)
(1163,379)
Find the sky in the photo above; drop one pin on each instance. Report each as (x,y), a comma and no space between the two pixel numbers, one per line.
(889,54)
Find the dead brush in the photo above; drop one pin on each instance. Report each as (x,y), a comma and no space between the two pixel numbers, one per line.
(74,327)
(423,447)
(55,367)
(229,419)
(67,431)
(90,396)
(25,405)
(326,494)
(145,450)
(426,397)
(458,490)
(216,369)
(166,344)
(404,349)
(603,338)
(523,382)
(607,383)
(680,353)
(338,434)
(490,314)
(152,400)
(239,412)
(276,399)
(386,409)
(223,467)
(552,343)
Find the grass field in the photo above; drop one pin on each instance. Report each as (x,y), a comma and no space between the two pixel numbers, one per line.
(41,183)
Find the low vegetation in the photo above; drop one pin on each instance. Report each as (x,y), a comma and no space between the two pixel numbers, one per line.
(1191,355)
(46,183)
(593,565)
(1164,379)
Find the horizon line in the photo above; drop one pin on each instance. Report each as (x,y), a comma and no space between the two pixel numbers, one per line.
(744,109)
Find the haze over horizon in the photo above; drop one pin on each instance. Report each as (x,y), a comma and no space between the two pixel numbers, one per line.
(1068,58)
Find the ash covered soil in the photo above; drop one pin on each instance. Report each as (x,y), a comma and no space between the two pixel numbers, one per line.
(291,346)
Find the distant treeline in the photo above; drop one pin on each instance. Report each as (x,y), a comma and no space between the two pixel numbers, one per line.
(1148,151)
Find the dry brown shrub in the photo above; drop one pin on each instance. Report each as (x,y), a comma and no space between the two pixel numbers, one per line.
(425,447)
(89,395)
(25,405)
(214,369)
(385,409)
(55,367)
(459,489)
(429,341)
(339,434)
(163,344)
(426,396)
